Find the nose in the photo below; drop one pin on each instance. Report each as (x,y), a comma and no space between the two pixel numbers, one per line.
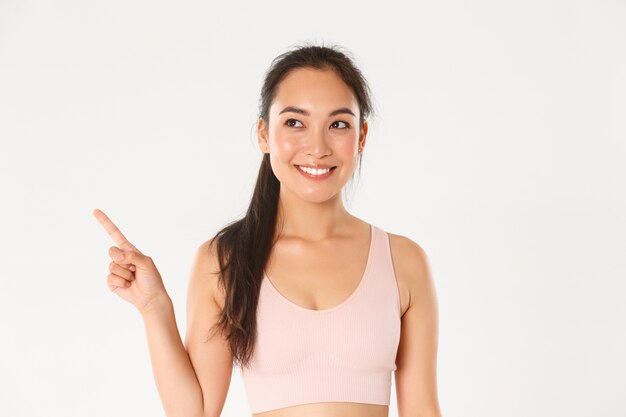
(317,143)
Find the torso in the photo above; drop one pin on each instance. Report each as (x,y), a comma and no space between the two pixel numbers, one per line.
(344,257)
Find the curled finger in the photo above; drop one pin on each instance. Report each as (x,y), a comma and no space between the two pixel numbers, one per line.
(121,271)
(115,281)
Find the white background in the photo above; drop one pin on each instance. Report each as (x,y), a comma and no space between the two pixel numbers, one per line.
(499,147)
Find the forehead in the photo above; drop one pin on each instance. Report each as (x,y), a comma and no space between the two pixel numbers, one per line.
(315,90)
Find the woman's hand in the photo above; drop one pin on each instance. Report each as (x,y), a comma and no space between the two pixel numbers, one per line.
(134,276)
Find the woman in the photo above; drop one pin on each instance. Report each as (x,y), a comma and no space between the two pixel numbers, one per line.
(316,306)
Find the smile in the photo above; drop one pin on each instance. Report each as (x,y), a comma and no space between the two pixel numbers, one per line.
(315,174)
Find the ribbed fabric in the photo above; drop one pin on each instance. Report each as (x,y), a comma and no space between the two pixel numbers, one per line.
(342,354)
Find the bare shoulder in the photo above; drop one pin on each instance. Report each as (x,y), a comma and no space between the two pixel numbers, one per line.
(205,271)
(411,266)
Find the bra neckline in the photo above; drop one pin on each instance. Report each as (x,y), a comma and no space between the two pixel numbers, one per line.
(342,303)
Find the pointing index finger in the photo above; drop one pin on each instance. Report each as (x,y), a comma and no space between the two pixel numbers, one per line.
(113,231)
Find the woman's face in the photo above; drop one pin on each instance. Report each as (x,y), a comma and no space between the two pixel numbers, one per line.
(314,120)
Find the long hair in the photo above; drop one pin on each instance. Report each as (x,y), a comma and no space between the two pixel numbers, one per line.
(243,246)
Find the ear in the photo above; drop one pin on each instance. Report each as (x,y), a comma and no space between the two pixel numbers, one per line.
(363,136)
(262,136)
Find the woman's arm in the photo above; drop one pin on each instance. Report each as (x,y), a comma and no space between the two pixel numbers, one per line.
(190,385)
(416,373)
(192,381)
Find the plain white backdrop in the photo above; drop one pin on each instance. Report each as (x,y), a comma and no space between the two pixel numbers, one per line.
(499,147)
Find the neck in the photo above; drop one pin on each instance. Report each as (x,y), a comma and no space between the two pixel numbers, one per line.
(311,220)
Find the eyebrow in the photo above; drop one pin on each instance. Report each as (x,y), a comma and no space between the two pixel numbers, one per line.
(294,109)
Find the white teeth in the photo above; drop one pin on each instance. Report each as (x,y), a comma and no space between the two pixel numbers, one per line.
(314,171)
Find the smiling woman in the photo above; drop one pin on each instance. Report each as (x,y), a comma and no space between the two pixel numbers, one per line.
(317,307)
(319,124)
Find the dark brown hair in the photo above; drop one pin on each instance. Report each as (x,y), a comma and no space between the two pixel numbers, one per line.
(244,245)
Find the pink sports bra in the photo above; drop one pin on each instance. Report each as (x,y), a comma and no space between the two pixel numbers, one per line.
(345,353)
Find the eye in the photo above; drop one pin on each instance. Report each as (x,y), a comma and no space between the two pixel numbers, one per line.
(291,120)
(341,121)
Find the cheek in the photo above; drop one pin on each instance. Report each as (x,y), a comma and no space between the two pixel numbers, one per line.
(347,148)
(285,145)
(283,149)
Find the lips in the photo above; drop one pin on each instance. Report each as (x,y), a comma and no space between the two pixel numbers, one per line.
(316,166)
